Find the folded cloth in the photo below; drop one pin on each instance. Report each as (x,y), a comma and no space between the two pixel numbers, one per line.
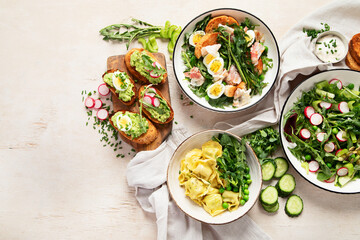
(147,173)
(297,59)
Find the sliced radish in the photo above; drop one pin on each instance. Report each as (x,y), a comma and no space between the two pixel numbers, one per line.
(156,64)
(343,171)
(316,119)
(313,166)
(320,136)
(337,82)
(154,75)
(343,107)
(147,99)
(305,133)
(340,136)
(89,102)
(325,105)
(98,104)
(103,89)
(102,114)
(336,153)
(308,111)
(329,147)
(331,179)
(151,92)
(156,102)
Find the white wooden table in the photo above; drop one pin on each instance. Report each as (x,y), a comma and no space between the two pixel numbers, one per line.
(57,181)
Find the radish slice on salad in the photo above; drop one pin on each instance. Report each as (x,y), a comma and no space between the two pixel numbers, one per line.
(343,107)
(103,89)
(320,136)
(98,104)
(313,166)
(329,147)
(308,111)
(340,136)
(343,171)
(89,102)
(316,119)
(147,99)
(155,102)
(331,179)
(337,82)
(154,75)
(336,153)
(102,114)
(325,105)
(305,133)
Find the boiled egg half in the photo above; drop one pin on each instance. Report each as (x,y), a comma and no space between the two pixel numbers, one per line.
(120,81)
(216,66)
(215,90)
(196,37)
(124,123)
(250,37)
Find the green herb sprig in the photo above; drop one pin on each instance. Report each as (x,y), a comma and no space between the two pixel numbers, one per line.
(313,33)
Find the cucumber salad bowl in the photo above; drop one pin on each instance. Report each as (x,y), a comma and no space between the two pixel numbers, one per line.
(226,60)
(320,130)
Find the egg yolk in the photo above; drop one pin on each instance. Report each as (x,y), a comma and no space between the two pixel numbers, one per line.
(215,66)
(124,122)
(248,38)
(118,82)
(196,38)
(215,90)
(209,58)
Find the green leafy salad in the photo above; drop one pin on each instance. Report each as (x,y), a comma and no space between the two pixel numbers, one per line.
(324,128)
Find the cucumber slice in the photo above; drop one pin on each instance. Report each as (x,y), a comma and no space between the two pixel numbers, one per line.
(344,180)
(269,196)
(294,206)
(271,209)
(281,167)
(286,185)
(268,170)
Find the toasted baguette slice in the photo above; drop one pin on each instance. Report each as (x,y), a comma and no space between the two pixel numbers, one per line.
(113,90)
(206,40)
(351,63)
(146,138)
(224,20)
(354,48)
(135,73)
(148,114)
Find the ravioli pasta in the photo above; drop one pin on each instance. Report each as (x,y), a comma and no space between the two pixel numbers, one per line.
(200,177)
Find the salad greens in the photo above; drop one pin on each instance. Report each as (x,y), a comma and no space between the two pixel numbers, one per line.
(335,120)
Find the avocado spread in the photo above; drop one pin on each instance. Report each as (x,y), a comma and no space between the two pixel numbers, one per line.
(139,125)
(144,65)
(124,87)
(162,112)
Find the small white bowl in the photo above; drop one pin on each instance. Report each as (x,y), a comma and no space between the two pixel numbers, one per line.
(189,207)
(337,34)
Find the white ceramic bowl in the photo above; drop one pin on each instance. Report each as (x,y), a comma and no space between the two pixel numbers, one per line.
(335,33)
(191,208)
(239,15)
(346,76)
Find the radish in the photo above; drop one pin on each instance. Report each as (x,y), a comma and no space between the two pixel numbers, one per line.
(148,99)
(89,102)
(336,153)
(329,147)
(156,64)
(98,104)
(320,136)
(343,107)
(103,89)
(340,136)
(154,75)
(305,133)
(308,111)
(325,105)
(337,82)
(152,93)
(313,166)
(343,171)
(331,179)
(102,114)
(155,102)
(316,119)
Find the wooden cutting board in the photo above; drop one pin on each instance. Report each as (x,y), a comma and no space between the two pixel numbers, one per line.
(118,62)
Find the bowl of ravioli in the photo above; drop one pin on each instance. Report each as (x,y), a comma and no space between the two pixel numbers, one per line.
(214,177)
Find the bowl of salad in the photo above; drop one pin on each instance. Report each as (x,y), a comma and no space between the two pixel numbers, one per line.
(214,177)
(226,60)
(320,130)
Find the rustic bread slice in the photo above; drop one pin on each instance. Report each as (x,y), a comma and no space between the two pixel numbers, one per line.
(206,40)
(354,48)
(113,90)
(351,63)
(146,138)
(224,20)
(148,114)
(135,73)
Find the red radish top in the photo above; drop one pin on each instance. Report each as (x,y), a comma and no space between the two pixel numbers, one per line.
(343,107)
(337,82)
(103,89)
(308,111)
(98,104)
(316,119)
(89,102)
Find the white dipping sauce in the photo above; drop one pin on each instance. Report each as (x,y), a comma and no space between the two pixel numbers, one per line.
(330,48)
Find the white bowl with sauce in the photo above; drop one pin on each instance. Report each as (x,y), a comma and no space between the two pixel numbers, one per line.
(331,47)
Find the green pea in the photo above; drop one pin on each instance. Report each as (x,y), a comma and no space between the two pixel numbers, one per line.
(235,189)
(225,205)
(351,86)
(246,191)
(262,77)
(228,188)
(242,202)
(315,128)
(249,181)
(246,186)
(247,176)
(247,169)
(308,157)
(335,130)
(221,190)
(246,197)
(329,165)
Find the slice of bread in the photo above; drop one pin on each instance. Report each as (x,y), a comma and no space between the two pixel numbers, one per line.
(351,63)
(354,48)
